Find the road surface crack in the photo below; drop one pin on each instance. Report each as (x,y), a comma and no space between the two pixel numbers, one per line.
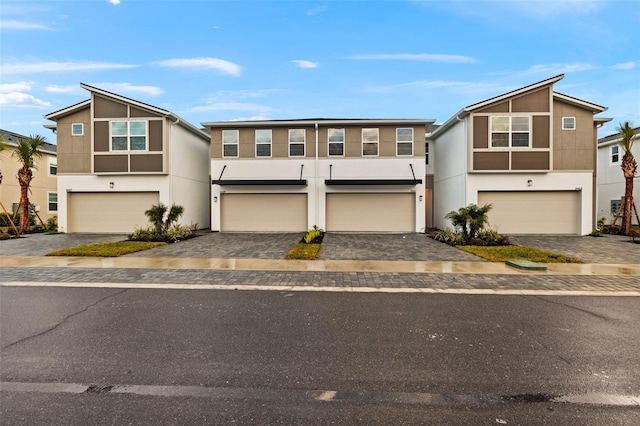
(65,319)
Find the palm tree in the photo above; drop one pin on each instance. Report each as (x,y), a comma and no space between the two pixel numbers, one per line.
(156,216)
(26,152)
(629,167)
(469,219)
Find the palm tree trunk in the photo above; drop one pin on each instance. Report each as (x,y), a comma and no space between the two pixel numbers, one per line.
(628,205)
(24,178)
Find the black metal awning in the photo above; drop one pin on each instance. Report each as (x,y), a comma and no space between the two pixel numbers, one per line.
(342,182)
(260,182)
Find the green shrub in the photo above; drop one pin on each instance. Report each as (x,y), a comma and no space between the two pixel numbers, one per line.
(314,236)
(52,224)
(447,236)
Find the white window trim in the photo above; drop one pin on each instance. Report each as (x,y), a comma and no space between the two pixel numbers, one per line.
(263,143)
(304,144)
(81,129)
(344,136)
(376,142)
(398,142)
(510,133)
(611,155)
(52,211)
(569,128)
(146,135)
(53,161)
(237,144)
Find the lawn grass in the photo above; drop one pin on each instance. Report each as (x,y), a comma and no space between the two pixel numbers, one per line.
(304,251)
(504,253)
(114,249)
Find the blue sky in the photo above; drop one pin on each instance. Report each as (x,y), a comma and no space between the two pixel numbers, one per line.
(231,60)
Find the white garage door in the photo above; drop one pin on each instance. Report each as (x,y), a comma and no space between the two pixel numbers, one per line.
(371,212)
(108,211)
(263,212)
(533,212)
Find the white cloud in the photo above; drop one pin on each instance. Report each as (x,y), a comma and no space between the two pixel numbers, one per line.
(317,10)
(52,88)
(114,2)
(548,70)
(625,66)
(129,88)
(232,106)
(21,100)
(21,25)
(427,57)
(301,63)
(35,67)
(242,94)
(225,67)
(21,86)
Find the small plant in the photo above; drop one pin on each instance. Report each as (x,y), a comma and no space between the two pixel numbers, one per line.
(469,223)
(51,226)
(163,228)
(314,235)
(599,228)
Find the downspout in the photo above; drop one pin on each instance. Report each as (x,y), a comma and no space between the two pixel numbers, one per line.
(316,181)
(466,165)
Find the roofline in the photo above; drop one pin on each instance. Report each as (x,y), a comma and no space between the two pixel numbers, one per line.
(513,93)
(68,110)
(320,121)
(595,108)
(615,138)
(43,148)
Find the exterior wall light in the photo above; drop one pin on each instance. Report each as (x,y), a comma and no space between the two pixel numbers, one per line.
(420,197)
(111,185)
(529,182)
(215,199)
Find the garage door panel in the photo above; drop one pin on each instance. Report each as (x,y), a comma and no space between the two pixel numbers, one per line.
(371,212)
(107,212)
(539,212)
(263,212)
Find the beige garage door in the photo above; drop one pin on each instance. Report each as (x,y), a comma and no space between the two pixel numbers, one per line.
(263,212)
(108,211)
(533,212)
(371,212)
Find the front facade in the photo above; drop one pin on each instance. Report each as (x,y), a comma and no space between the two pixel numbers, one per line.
(339,175)
(530,153)
(611,183)
(44,191)
(117,157)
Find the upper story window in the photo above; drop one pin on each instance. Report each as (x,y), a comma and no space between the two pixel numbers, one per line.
(53,166)
(511,132)
(615,154)
(263,143)
(404,141)
(77,129)
(426,152)
(370,141)
(336,142)
(296,142)
(568,123)
(128,135)
(52,202)
(230,140)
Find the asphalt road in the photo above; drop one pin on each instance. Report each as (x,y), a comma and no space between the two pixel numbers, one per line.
(136,356)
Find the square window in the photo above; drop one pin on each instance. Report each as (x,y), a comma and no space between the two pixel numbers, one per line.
(53,167)
(296,142)
(263,143)
(370,139)
(615,154)
(568,123)
(512,131)
(336,142)
(52,202)
(404,141)
(128,135)
(230,143)
(77,129)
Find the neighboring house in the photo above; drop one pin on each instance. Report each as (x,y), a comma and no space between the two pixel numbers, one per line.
(117,157)
(43,194)
(339,174)
(531,153)
(611,182)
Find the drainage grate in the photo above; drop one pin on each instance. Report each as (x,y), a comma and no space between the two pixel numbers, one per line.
(99,389)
